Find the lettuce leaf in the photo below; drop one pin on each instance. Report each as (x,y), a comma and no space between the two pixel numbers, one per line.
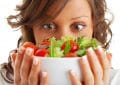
(55,48)
(67,47)
(83,42)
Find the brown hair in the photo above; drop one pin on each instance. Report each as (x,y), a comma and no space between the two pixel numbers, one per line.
(32,11)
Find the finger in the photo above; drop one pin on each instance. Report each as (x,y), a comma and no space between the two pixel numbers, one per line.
(44,79)
(73,78)
(35,72)
(102,57)
(18,61)
(87,74)
(26,65)
(109,56)
(94,64)
(13,58)
(105,64)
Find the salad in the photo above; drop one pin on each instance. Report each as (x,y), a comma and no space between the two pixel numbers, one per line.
(64,47)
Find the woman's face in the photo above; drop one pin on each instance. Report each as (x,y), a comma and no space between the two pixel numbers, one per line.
(75,20)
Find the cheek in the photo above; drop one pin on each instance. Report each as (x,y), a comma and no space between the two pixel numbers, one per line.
(87,33)
(90,30)
(40,35)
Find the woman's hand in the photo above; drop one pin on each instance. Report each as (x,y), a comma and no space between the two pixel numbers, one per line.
(95,68)
(27,68)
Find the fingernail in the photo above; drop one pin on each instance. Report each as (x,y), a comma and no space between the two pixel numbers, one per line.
(72,72)
(108,52)
(83,59)
(29,51)
(90,49)
(91,52)
(109,55)
(13,57)
(11,54)
(20,50)
(35,61)
(100,49)
(44,74)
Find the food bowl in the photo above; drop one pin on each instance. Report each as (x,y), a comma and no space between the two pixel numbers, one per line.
(57,69)
(58,56)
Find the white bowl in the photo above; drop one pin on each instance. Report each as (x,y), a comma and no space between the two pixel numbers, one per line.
(57,69)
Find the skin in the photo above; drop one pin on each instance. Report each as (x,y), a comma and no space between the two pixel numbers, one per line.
(74,20)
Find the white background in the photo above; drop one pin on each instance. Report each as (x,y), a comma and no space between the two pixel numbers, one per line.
(9,37)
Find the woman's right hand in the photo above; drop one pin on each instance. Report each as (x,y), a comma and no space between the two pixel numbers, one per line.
(95,67)
(27,68)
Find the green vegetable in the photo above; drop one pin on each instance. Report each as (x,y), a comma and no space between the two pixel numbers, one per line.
(67,38)
(94,43)
(54,48)
(58,52)
(83,43)
(81,52)
(67,47)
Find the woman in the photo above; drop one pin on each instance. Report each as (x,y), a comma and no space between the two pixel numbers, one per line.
(41,19)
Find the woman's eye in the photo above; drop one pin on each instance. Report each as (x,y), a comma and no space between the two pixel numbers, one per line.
(49,26)
(79,26)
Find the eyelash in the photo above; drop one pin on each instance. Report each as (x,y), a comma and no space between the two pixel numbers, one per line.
(52,26)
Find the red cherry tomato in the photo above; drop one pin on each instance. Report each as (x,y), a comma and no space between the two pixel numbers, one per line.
(41,52)
(30,45)
(74,46)
(45,42)
(63,46)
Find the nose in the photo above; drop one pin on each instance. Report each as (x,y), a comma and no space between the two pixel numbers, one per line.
(64,32)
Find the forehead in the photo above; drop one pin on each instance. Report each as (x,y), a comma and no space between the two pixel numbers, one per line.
(75,8)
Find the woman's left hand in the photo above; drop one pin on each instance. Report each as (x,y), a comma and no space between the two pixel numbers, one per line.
(95,68)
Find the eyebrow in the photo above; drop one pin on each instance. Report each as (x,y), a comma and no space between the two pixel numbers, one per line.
(79,17)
